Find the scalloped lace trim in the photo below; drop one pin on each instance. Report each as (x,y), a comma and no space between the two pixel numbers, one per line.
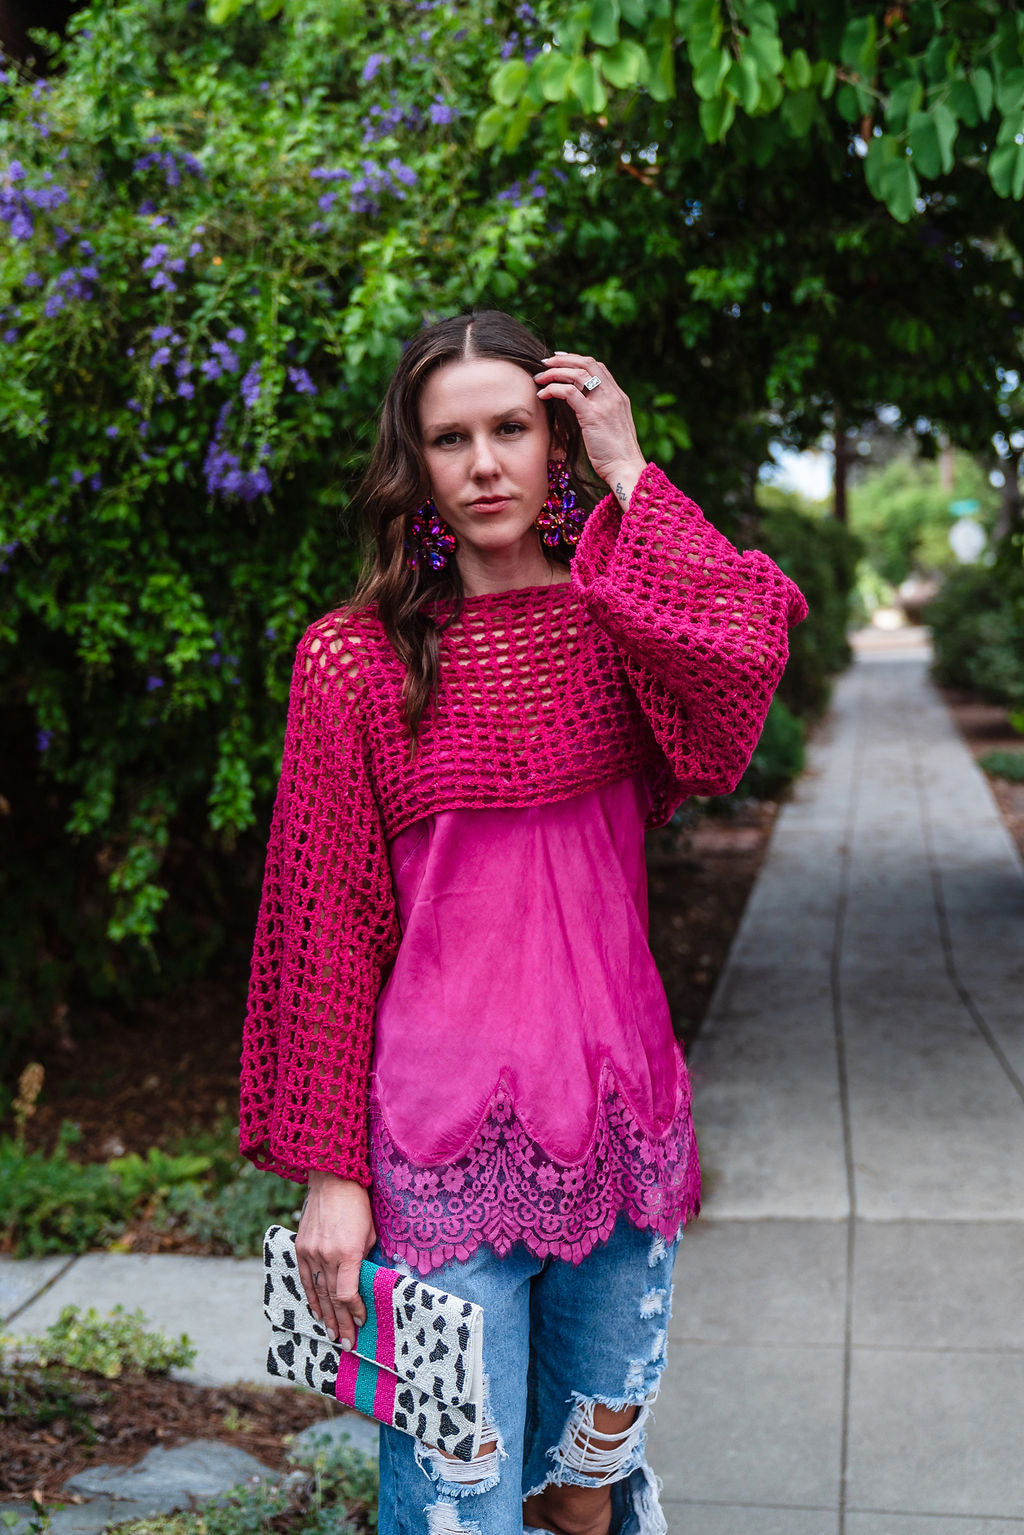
(506,1189)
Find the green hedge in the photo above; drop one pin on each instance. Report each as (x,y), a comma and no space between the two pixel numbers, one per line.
(977,624)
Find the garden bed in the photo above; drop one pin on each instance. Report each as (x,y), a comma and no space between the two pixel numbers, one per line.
(985,729)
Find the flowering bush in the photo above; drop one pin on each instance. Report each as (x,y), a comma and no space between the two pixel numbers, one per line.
(213,239)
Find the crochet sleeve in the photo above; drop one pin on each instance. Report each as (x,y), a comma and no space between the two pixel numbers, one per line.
(701,628)
(327,929)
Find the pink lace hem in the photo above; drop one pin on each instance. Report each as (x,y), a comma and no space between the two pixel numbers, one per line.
(506,1189)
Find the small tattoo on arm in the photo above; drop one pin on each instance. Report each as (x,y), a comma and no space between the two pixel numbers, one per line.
(620,493)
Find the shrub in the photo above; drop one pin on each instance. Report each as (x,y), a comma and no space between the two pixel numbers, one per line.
(977,624)
(53,1204)
(1004,764)
(109,1345)
(214,241)
(236,1215)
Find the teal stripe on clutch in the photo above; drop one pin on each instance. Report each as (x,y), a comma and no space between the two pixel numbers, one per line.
(366,1388)
(366,1346)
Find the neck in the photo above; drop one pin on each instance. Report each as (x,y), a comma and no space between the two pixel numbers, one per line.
(505,570)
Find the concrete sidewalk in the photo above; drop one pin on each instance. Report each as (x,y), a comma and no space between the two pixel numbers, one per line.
(848,1325)
(848,1328)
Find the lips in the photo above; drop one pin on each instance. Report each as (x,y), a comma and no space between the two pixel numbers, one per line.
(490,503)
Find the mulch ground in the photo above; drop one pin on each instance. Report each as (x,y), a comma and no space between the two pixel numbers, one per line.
(47,1437)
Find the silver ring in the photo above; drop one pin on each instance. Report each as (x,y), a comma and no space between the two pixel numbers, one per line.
(593,382)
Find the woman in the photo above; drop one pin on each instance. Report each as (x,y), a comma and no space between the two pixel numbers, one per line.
(456,1033)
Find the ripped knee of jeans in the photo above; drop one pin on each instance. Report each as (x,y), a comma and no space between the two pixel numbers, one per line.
(443,1518)
(459,1478)
(592,1457)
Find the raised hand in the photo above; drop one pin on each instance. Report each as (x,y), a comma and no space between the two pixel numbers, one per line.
(604,413)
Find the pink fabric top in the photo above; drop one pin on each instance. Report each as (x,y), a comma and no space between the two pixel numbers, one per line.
(661,656)
(524,995)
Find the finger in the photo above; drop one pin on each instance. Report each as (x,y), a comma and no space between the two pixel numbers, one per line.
(349,1312)
(570,393)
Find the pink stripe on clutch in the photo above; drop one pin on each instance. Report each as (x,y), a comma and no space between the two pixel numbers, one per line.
(345,1385)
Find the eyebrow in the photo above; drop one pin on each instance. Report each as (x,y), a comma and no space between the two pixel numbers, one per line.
(437,428)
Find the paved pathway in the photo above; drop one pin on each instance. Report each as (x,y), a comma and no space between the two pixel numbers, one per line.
(848,1325)
(848,1328)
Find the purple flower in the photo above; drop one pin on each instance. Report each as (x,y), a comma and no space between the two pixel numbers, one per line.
(77,476)
(21,226)
(302,381)
(214,658)
(33,280)
(112,431)
(441,113)
(147,206)
(160,357)
(156,257)
(226,357)
(195,249)
(210,369)
(250,386)
(95,483)
(236,335)
(10,336)
(161,333)
(403,173)
(325,202)
(161,281)
(270,633)
(186,390)
(54,304)
(44,740)
(152,683)
(182,368)
(372,66)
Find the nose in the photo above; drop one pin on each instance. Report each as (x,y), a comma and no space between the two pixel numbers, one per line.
(484,461)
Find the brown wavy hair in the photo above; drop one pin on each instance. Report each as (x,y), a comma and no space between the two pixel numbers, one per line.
(415,606)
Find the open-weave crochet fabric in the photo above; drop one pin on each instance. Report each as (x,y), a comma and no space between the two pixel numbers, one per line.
(662,655)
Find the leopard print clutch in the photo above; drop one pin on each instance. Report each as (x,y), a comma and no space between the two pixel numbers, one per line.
(418,1360)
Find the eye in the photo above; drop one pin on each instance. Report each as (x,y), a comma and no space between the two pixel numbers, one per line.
(512,428)
(446,439)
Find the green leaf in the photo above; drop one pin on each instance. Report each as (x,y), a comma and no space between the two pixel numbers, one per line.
(220,11)
(924,144)
(983,89)
(604,22)
(946,130)
(1010,91)
(517,126)
(509,82)
(489,126)
(764,48)
(585,81)
(744,82)
(1006,170)
(882,151)
(905,99)
(963,102)
(624,65)
(900,189)
(635,12)
(858,46)
(552,71)
(661,84)
(798,112)
(716,117)
(712,71)
(797,70)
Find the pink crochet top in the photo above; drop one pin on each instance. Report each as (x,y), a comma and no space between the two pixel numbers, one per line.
(661,657)
(527,1086)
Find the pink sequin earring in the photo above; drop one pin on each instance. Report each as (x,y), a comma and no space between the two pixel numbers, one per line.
(560,520)
(430,539)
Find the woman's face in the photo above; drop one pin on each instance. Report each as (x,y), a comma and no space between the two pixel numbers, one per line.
(486,445)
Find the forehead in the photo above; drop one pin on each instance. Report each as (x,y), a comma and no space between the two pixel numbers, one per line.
(476,389)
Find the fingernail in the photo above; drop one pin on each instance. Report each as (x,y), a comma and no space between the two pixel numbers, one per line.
(346,1345)
(332,1333)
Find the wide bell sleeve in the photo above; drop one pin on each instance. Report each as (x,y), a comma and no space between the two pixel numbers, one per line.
(327,929)
(700,627)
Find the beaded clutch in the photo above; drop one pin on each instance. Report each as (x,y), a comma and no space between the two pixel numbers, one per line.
(417,1364)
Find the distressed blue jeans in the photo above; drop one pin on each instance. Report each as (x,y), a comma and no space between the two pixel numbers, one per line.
(558,1339)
